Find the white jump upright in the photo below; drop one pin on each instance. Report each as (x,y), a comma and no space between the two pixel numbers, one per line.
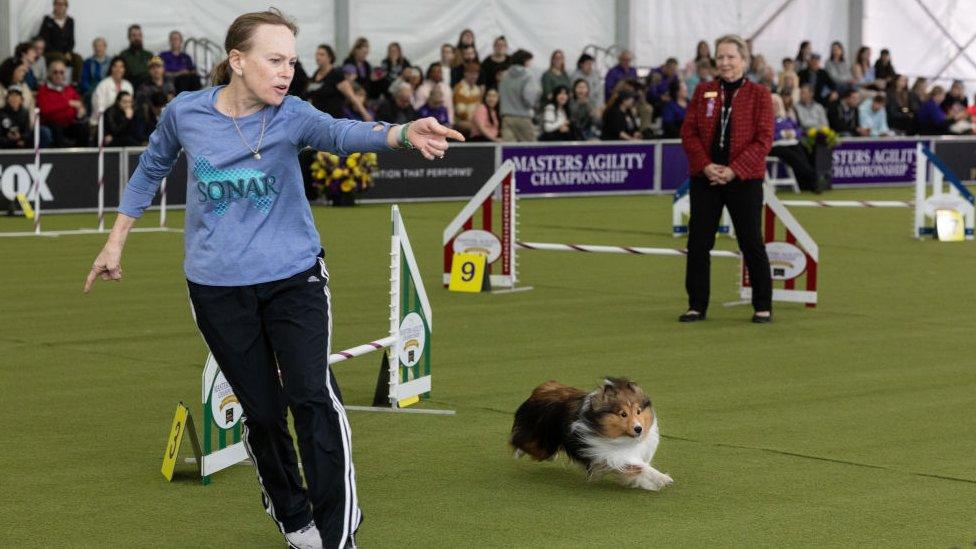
(681,210)
(101,170)
(948,193)
(37,171)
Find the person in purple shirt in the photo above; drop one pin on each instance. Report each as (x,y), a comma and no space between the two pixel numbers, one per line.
(178,65)
(435,107)
(254,264)
(621,71)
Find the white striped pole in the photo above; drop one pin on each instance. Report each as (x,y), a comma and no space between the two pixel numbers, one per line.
(37,170)
(548,246)
(361,350)
(162,204)
(849,203)
(101,170)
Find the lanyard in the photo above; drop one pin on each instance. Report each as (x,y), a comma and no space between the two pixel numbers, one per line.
(726,115)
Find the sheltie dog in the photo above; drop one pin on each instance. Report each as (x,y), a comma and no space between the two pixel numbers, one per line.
(610,430)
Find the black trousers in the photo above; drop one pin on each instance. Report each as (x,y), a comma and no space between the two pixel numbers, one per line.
(744,200)
(254,332)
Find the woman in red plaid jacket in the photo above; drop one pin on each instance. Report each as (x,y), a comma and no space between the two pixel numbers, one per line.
(727,133)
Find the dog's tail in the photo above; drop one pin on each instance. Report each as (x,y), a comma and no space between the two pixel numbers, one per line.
(542,422)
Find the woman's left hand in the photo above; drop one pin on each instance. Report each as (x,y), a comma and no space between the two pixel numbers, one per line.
(430,138)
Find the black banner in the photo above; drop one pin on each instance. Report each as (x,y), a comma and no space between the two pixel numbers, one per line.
(960,156)
(407,174)
(175,182)
(68,180)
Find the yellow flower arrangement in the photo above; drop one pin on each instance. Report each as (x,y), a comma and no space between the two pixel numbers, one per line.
(334,175)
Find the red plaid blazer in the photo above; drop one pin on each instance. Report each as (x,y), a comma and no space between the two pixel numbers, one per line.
(752,128)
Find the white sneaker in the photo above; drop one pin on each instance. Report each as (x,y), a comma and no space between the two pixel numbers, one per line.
(306,538)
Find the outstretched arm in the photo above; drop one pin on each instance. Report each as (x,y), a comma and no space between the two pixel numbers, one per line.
(108,264)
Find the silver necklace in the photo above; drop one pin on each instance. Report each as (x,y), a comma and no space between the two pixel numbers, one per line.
(726,115)
(256,151)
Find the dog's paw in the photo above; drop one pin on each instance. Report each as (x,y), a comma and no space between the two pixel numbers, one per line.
(518,453)
(654,480)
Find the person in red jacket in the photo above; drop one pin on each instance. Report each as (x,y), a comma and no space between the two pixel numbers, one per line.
(61,108)
(727,133)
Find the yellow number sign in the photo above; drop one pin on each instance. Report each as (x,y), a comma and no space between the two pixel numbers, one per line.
(468,272)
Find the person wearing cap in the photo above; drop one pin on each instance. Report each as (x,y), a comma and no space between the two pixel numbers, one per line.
(586,70)
(824,87)
(727,134)
(156,82)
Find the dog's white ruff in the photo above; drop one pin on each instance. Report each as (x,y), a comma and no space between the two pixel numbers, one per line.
(622,455)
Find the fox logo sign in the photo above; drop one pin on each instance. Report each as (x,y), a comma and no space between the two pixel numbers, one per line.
(19,179)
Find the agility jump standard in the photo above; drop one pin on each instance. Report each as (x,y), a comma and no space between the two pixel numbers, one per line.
(796,256)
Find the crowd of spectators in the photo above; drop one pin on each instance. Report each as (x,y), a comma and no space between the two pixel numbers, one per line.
(501,97)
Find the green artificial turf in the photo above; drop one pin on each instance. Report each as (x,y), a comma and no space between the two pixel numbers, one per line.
(851,424)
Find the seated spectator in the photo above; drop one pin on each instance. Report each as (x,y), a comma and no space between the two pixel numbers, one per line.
(883,69)
(872,115)
(370,80)
(702,55)
(621,71)
(324,63)
(351,108)
(673,112)
(156,83)
(15,126)
(824,89)
(178,65)
(13,77)
(435,107)
(586,70)
(803,56)
(465,40)
(149,116)
(837,67)
(435,80)
(122,126)
(39,67)
(901,106)
(495,63)
(659,88)
(555,76)
(788,85)
(919,91)
(862,71)
(104,95)
(393,64)
(335,90)
(467,97)
(94,69)
(809,113)
(519,93)
(583,112)
(58,32)
(704,72)
(25,55)
(757,66)
(956,95)
(136,59)
(399,109)
(619,122)
(468,55)
(787,148)
(932,120)
(61,109)
(556,124)
(450,58)
(643,111)
(486,123)
(788,64)
(843,115)
(768,79)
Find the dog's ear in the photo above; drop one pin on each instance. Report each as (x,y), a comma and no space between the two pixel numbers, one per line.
(609,387)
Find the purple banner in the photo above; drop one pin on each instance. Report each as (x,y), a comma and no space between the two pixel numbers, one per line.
(582,168)
(874,162)
(674,166)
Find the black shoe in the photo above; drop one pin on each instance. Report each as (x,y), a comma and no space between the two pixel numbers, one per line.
(691,316)
(762,319)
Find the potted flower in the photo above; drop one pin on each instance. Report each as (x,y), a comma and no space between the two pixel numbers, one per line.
(341,179)
(819,142)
